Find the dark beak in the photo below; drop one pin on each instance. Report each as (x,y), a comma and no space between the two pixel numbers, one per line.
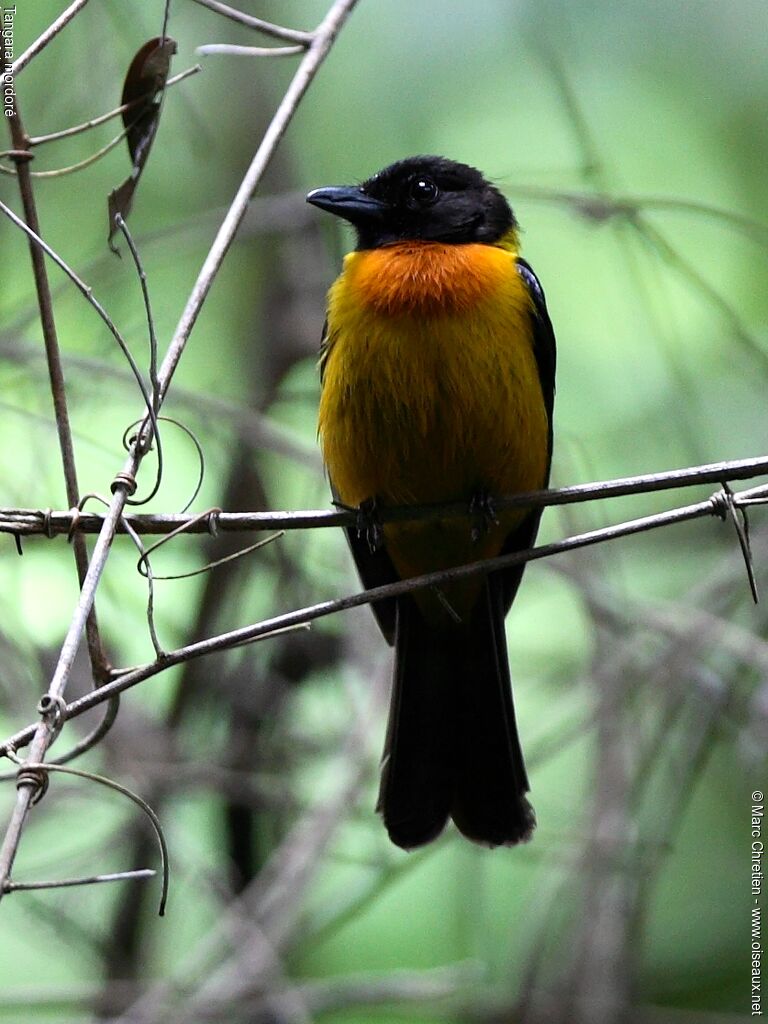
(348,202)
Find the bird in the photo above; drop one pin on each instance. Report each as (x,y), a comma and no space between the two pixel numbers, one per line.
(437,368)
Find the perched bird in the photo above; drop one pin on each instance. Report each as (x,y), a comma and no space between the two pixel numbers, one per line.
(438,369)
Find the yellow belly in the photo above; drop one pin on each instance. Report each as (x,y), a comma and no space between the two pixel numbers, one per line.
(431,393)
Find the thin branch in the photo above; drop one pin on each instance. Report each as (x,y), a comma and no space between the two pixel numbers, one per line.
(600,206)
(66,883)
(32,777)
(256,926)
(276,31)
(39,140)
(302,616)
(50,33)
(27,522)
(61,172)
(124,483)
(688,271)
(322,40)
(142,276)
(98,659)
(230,49)
(86,291)
(395,987)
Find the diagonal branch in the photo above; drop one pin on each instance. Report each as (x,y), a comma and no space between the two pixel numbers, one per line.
(50,33)
(124,484)
(296,619)
(266,27)
(93,122)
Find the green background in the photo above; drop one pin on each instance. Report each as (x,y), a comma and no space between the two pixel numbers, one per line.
(640,665)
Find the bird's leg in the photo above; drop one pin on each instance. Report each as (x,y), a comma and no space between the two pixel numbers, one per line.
(482,514)
(367,523)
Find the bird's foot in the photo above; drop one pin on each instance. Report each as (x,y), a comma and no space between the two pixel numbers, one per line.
(367,522)
(482,513)
(369,525)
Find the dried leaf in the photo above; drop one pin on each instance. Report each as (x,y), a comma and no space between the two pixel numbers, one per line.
(143,87)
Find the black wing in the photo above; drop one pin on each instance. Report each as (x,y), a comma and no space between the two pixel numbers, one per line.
(544,346)
(545,351)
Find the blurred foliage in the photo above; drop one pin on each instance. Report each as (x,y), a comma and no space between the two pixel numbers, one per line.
(644,654)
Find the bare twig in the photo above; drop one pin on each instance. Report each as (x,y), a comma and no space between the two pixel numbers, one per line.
(276,31)
(27,522)
(142,275)
(271,900)
(32,776)
(66,883)
(86,291)
(124,483)
(61,172)
(600,206)
(39,140)
(230,49)
(50,33)
(292,620)
(99,664)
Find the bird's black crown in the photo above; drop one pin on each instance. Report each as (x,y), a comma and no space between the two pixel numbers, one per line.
(425,198)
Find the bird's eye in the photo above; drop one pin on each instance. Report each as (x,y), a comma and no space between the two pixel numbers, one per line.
(424,191)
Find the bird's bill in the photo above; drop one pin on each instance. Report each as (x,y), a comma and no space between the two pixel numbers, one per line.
(348,202)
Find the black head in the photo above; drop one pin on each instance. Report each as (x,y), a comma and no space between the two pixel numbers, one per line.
(425,198)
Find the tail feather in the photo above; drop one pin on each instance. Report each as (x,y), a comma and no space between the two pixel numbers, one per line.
(489,804)
(417,773)
(452,748)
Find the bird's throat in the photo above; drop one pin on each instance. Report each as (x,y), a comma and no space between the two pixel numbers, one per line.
(428,278)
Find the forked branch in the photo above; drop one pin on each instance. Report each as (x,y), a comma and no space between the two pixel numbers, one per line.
(124,483)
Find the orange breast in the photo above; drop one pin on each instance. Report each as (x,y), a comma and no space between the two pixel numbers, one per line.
(426,277)
(431,393)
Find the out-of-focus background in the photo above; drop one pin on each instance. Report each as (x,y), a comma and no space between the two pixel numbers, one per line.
(631,140)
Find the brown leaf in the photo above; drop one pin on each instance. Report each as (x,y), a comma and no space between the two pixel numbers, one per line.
(143,87)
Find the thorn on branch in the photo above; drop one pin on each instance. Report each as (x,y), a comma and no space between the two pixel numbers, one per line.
(725,505)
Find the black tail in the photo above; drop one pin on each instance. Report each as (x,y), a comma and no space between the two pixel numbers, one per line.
(452,748)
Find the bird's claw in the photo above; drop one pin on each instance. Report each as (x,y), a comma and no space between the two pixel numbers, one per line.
(368,524)
(483,516)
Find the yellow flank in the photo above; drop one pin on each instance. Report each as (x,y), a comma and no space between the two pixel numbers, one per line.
(431,393)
